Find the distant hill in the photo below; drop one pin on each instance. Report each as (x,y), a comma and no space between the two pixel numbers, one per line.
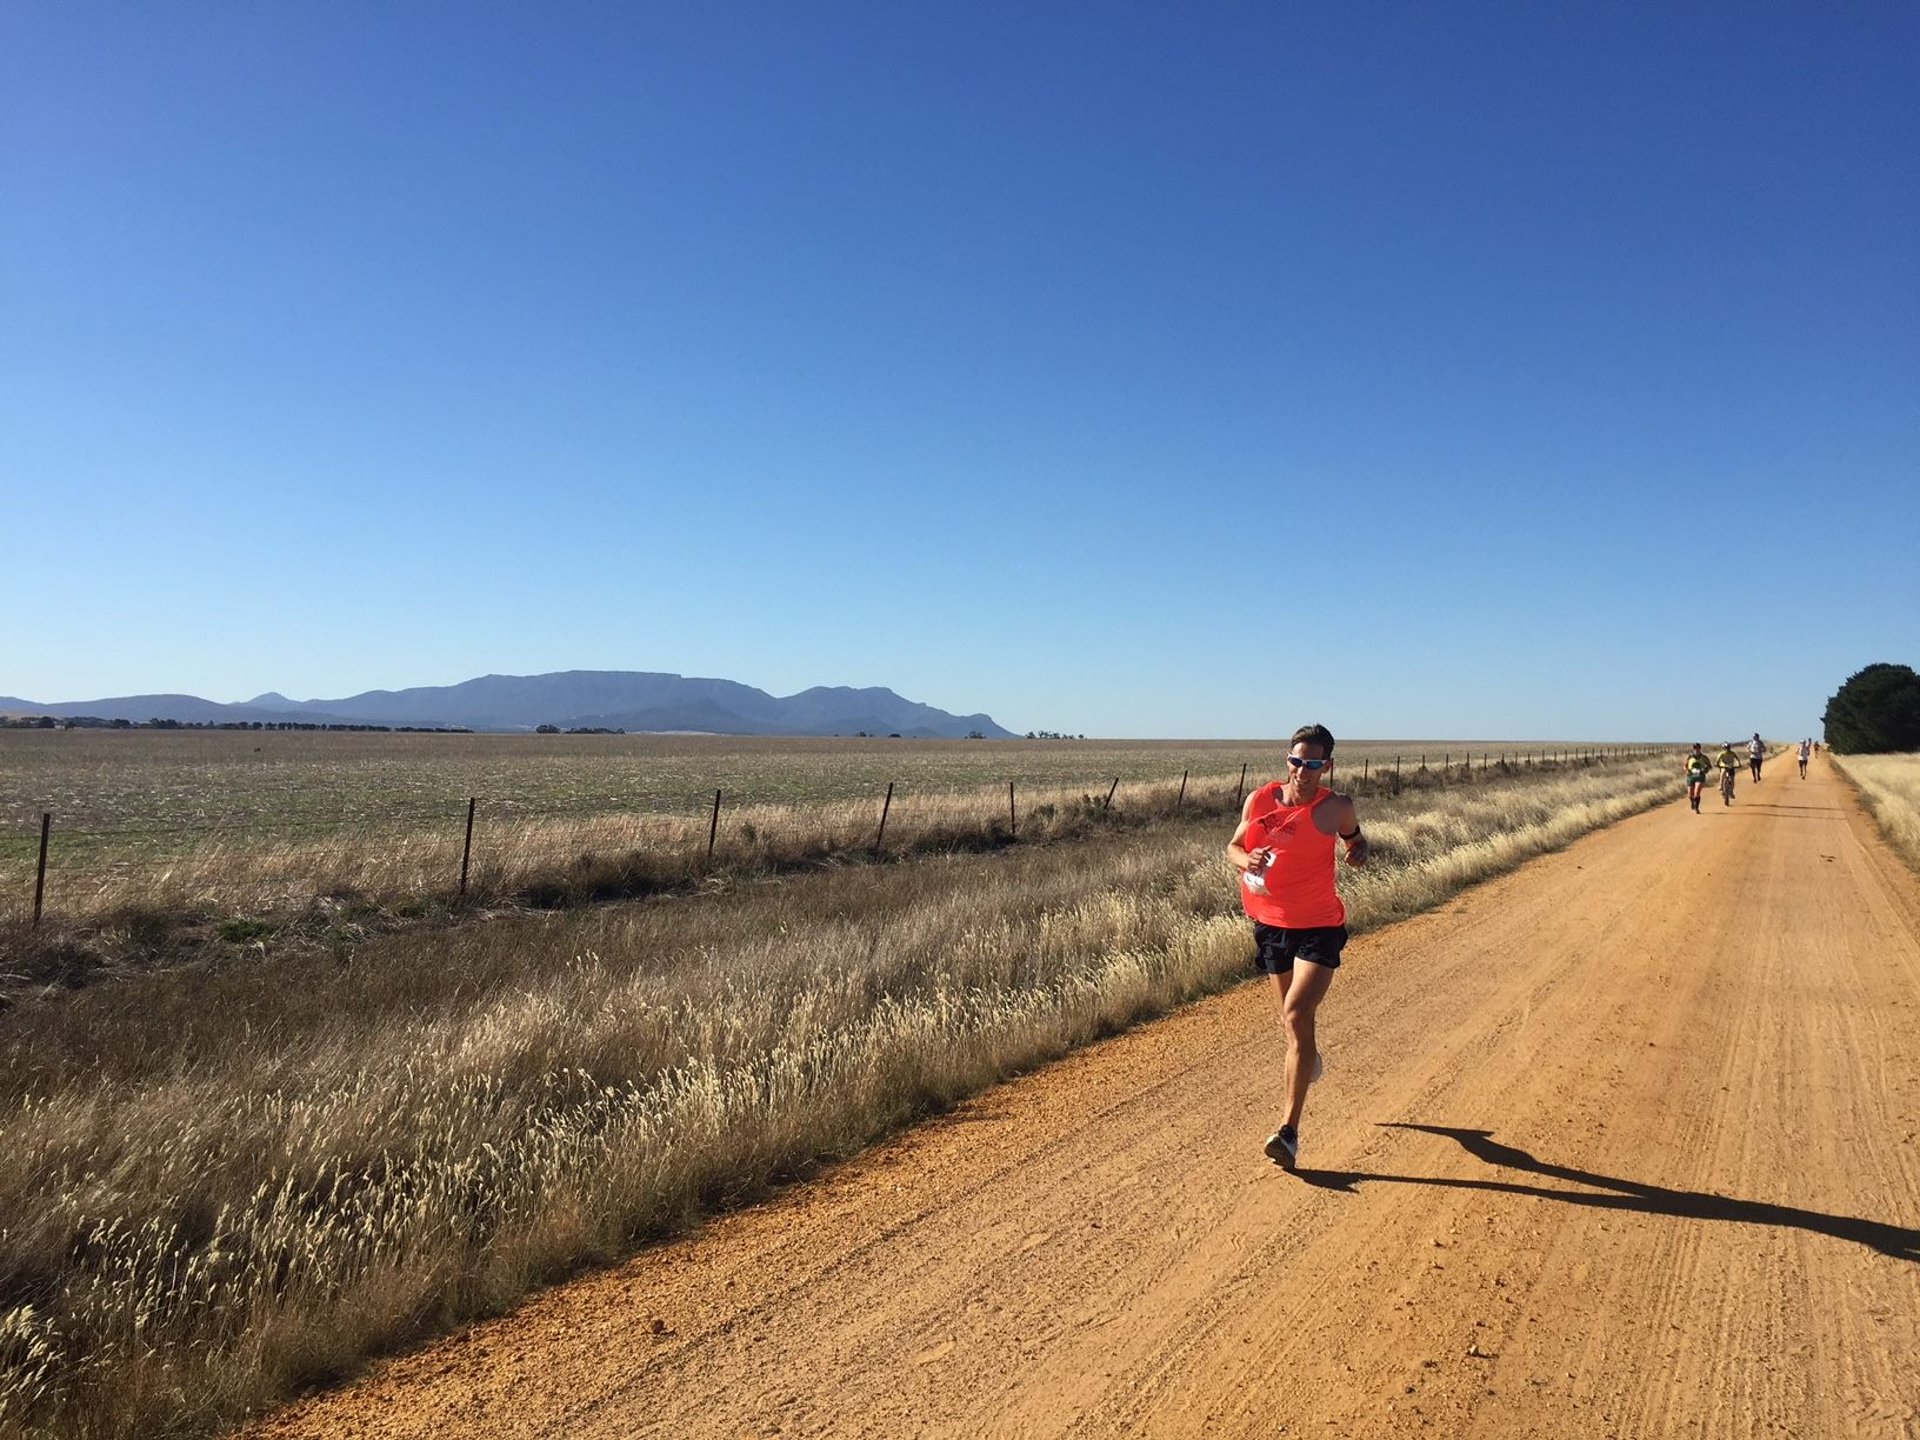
(631,700)
(188,709)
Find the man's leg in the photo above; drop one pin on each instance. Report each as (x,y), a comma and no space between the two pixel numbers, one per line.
(1303,997)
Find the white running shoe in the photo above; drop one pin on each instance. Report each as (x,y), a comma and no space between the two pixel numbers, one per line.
(1283,1148)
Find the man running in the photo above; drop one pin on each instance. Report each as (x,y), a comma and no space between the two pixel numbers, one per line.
(1698,768)
(1806,751)
(1756,752)
(1729,765)
(1283,851)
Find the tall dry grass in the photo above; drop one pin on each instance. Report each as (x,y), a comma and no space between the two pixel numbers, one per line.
(1889,785)
(227,1183)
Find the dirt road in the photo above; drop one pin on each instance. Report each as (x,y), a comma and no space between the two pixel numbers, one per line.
(1623,1144)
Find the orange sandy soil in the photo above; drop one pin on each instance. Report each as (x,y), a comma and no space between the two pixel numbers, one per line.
(1622,1144)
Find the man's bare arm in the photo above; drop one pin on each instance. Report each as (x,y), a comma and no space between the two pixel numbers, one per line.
(1356,841)
(1238,856)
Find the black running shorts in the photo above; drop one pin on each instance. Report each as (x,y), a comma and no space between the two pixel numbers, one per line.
(1276,949)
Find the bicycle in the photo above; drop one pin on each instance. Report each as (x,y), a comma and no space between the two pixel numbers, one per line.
(1726,785)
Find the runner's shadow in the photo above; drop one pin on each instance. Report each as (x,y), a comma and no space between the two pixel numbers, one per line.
(1894,1241)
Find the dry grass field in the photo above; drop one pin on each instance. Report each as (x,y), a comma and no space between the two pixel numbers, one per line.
(227,1182)
(258,823)
(195,781)
(1890,787)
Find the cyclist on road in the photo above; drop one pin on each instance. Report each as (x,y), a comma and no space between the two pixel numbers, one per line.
(1728,764)
(1806,750)
(1698,768)
(1283,854)
(1756,752)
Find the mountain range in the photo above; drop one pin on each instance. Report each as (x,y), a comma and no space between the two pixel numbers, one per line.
(631,700)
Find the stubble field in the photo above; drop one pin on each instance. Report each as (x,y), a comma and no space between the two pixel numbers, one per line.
(243,823)
(176,785)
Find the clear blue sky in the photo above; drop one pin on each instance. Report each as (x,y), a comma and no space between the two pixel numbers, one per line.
(1137,370)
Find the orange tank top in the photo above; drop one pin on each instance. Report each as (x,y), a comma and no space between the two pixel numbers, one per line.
(1296,891)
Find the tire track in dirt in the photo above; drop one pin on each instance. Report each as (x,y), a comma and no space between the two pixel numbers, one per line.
(1622,1143)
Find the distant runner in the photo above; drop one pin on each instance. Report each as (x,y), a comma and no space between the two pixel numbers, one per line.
(1698,768)
(1283,851)
(1806,751)
(1729,765)
(1756,752)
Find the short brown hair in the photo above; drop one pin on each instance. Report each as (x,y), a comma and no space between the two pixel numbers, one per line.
(1313,735)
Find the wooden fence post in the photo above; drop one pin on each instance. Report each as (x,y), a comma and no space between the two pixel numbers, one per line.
(1013,815)
(1108,803)
(1181,798)
(1240,793)
(713,826)
(40,874)
(466,849)
(885,806)
(1363,768)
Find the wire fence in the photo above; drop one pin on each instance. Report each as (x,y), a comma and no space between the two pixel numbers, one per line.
(517,844)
